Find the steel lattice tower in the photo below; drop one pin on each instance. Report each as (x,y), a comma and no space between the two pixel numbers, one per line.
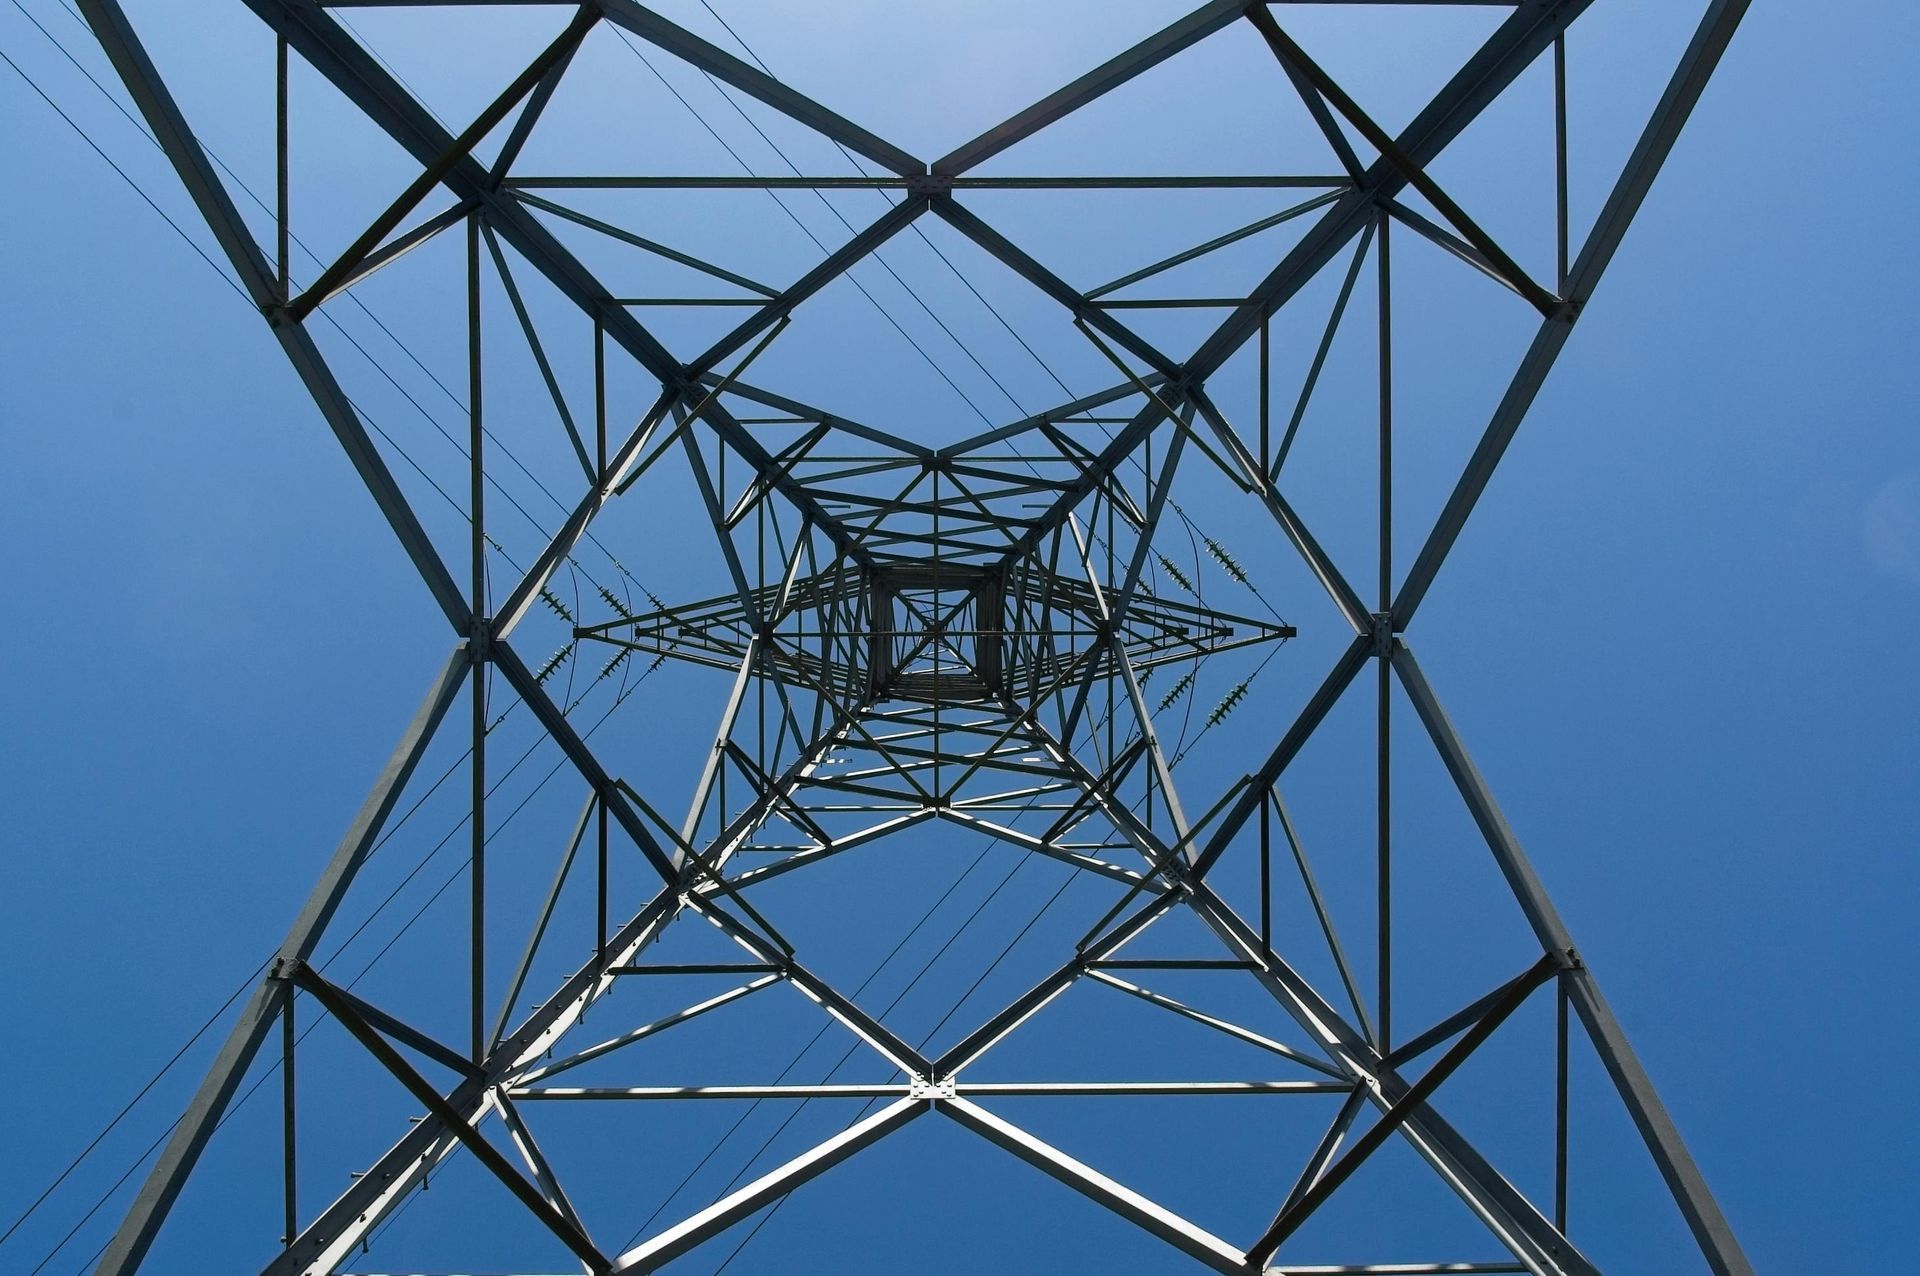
(912,631)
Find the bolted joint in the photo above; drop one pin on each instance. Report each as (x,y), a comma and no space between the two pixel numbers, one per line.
(931,1089)
(929,184)
(480,640)
(1384,630)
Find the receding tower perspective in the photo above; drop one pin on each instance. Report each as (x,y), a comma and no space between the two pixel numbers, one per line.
(930,720)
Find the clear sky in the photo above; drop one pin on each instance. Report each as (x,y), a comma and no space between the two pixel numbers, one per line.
(1672,633)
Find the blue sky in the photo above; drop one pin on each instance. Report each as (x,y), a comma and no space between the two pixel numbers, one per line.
(1671,633)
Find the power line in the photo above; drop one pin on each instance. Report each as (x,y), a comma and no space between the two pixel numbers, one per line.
(164,215)
(154,1080)
(925,1040)
(1071,877)
(354,298)
(428,415)
(1194,534)
(274,1067)
(805,229)
(861,168)
(815,1040)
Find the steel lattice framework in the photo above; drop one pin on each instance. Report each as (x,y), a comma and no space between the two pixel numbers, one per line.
(955,633)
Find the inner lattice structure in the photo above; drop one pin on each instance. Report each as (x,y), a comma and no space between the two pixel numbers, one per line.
(998,630)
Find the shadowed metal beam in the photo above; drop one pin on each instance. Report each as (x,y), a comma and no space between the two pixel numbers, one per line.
(458,150)
(182,1151)
(1531,29)
(647,245)
(1344,671)
(1507,1213)
(1411,170)
(1683,92)
(1218,242)
(723,66)
(556,1220)
(837,263)
(1405,1106)
(338,1230)
(189,160)
(1512,1218)
(1103,79)
(528,688)
(1525,34)
(1017,259)
(305,25)
(1689,1187)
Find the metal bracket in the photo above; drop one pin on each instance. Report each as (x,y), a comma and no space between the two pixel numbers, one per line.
(932,1091)
(1383,634)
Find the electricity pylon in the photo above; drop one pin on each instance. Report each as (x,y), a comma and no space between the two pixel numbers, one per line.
(911,631)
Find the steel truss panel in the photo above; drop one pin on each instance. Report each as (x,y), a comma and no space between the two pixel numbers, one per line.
(963,633)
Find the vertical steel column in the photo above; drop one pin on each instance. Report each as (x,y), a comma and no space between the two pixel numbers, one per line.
(288,1140)
(600,405)
(1266,397)
(1560,1086)
(1266,879)
(281,183)
(600,884)
(1383,759)
(1560,163)
(477,512)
